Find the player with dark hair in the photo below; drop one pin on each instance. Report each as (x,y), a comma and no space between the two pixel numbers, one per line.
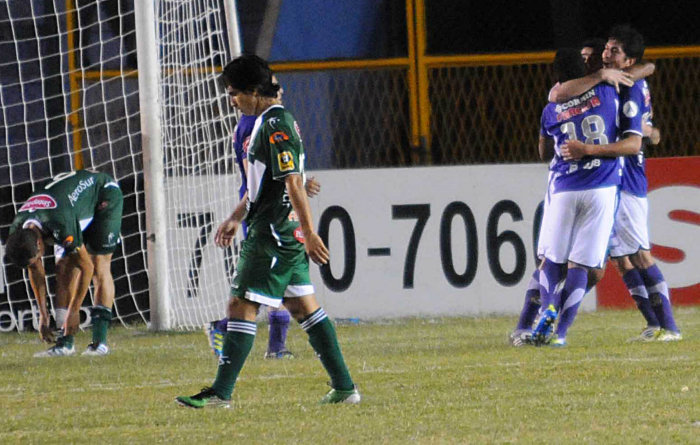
(278,318)
(581,197)
(80,214)
(629,246)
(592,54)
(566,71)
(274,263)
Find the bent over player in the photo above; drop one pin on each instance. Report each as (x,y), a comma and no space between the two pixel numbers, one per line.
(80,214)
(274,262)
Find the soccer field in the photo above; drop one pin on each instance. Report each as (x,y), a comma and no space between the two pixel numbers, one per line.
(446,380)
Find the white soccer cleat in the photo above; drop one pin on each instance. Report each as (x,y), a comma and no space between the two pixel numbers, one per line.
(667,336)
(96,350)
(56,351)
(520,337)
(650,333)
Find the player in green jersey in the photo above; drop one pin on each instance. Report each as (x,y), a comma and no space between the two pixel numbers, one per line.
(80,214)
(274,261)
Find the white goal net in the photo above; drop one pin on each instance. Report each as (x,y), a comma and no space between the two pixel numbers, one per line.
(69,98)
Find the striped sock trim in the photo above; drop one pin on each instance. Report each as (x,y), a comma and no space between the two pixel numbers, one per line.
(242,326)
(639,291)
(659,288)
(318,316)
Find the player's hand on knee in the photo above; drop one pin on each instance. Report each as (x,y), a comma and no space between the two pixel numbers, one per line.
(318,252)
(226,232)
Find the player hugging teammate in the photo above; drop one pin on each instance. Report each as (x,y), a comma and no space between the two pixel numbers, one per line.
(576,229)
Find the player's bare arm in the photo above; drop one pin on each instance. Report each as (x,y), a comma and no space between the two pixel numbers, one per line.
(227,229)
(574,150)
(313,243)
(78,260)
(546,148)
(641,70)
(652,133)
(575,87)
(37,279)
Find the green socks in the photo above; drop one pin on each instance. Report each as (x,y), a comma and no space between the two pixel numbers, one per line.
(237,345)
(101,317)
(324,341)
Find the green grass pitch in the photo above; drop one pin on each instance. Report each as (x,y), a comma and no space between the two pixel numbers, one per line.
(440,380)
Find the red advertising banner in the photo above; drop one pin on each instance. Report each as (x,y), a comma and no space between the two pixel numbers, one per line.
(674,229)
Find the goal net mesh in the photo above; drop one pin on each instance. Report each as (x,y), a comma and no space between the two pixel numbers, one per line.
(69,99)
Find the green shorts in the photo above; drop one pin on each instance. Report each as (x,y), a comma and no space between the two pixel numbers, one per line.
(103,234)
(266,273)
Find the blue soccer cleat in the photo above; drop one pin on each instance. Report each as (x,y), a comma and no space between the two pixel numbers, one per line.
(215,336)
(543,331)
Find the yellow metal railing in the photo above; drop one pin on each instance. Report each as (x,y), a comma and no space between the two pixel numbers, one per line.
(422,74)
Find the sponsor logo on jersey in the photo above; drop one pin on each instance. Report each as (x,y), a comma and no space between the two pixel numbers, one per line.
(278,136)
(273,121)
(39,202)
(79,189)
(630,109)
(292,216)
(577,106)
(299,235)
(68,241)
(285,160)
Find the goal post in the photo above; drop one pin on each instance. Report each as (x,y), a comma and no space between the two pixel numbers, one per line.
(153,177)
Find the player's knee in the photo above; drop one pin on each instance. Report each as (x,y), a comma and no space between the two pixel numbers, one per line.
(622,264)
(301,307)
(594,276)
(242,309)
(642,259)
(295,309)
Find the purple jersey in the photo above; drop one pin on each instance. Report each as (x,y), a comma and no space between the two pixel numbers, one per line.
(636,109)
(592,118)
(241,138)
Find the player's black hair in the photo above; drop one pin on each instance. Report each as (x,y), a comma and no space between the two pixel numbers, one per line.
(568,64)
(250,73)
(595,61)
(21,247)
(596,43)
(631,40)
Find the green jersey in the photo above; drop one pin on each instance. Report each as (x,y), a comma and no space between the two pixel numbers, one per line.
(66,206)
(274,152)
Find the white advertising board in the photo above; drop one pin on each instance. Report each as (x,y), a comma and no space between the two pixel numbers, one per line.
(428,241)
